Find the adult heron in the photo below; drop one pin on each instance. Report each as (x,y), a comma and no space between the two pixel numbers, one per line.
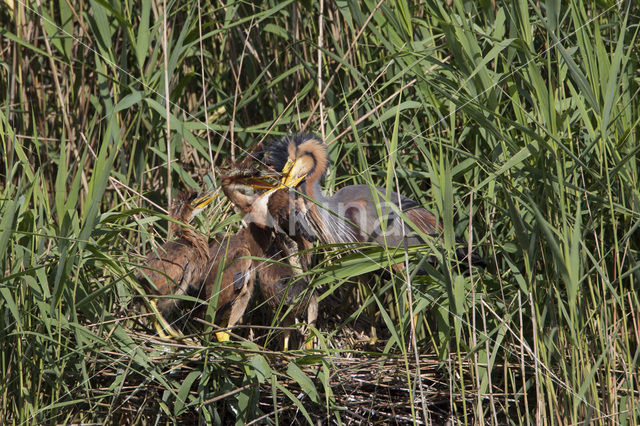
(355,213)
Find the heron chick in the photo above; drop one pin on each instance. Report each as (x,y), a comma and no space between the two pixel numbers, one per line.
(179,265)
(277,267)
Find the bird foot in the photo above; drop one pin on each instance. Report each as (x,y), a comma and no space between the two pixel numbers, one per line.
(170,332)
(223,336)
(161,325)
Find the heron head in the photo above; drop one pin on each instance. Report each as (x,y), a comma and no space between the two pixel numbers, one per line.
(244,186)
(185,206)
(199,202)
(298,157)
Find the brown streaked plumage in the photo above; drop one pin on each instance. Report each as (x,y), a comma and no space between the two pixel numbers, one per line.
(237,276)
(275,273)
(231,272)
(178,266)
(284,292)
(286,214)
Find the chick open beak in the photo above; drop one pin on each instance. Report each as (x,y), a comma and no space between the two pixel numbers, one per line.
(272,181)
(267,181)
(264,181)
(203,200)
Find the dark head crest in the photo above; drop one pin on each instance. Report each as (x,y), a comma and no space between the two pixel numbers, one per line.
(276,152)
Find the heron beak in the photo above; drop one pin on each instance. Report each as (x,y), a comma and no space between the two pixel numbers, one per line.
(203,200)
(265,181)
(275,181)
(290,180)
(288,166)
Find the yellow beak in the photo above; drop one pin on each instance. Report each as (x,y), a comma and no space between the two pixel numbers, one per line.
(265,181)
(203,200)
(290,180)
(287,179)
(287,167)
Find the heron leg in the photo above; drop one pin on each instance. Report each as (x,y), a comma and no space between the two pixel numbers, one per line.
(285,344)
(161,325)
(312,316)
(237,310)
(366,293)
(373,335)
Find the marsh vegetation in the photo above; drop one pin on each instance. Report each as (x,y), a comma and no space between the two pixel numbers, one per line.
(515,123)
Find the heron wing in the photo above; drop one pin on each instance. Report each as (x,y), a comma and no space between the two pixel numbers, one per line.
(164,271)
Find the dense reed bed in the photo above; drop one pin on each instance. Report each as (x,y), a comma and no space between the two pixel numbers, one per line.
(516,123)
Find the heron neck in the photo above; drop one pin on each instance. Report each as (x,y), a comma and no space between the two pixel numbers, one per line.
(192,238)
(314,191)
(177,230)
(258,238)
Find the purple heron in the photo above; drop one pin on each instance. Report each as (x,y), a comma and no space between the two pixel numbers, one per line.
(352,214)
(233,268)
(193,265)
(286,291)
(179,265)
(229,274)
(274,274)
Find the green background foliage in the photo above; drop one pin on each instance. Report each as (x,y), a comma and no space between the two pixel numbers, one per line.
(516,123)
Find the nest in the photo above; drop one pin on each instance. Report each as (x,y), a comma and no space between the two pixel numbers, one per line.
(373,389)
(361,387)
